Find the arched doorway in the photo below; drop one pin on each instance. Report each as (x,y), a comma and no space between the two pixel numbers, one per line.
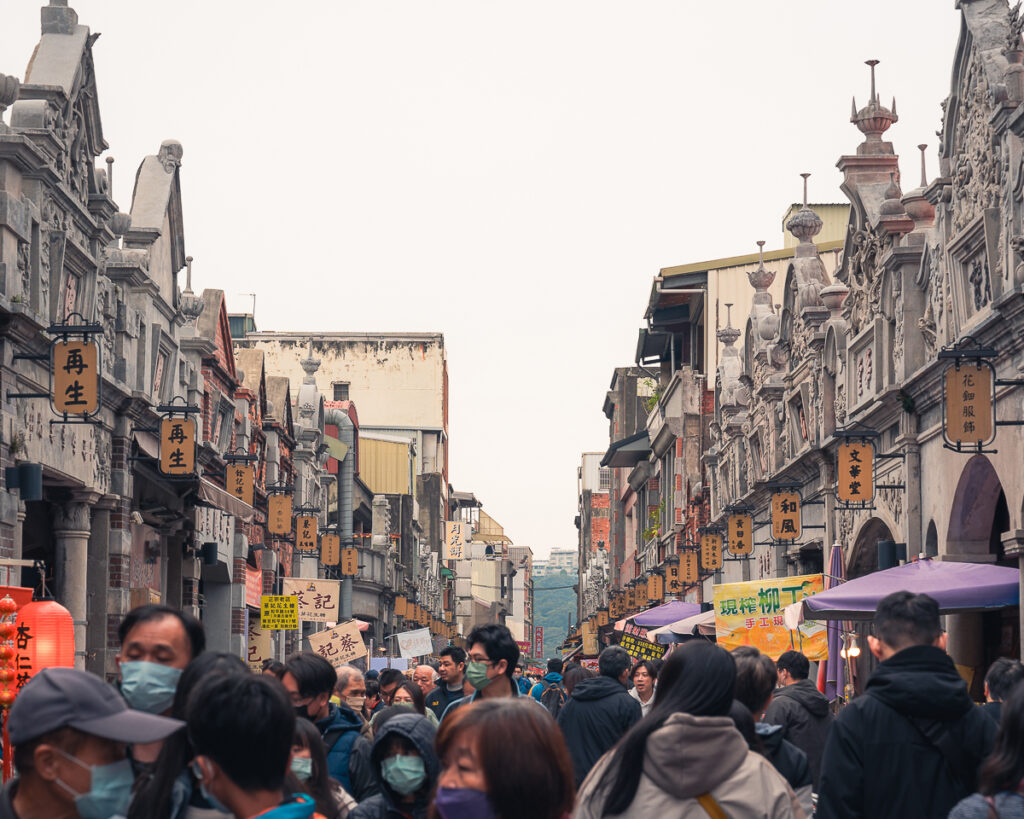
(978,518)
(864,560)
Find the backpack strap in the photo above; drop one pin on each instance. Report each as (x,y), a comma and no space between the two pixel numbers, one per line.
(938,734)
(711,807)
(992,812)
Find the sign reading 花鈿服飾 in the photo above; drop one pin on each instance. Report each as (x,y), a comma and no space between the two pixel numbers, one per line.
(751,614)
(969,409)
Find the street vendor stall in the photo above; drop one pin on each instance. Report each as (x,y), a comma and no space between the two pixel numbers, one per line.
(697,625)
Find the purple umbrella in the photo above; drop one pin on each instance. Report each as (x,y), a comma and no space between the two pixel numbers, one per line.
(834,665)
(666,613)
(958,587)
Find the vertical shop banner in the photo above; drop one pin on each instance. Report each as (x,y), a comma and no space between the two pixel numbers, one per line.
(330,550)
(538,641)
(242,481)
(741,533)
(305,533)
(855,472)
(279,514)
(318,599)
(786,524)
(350,562)
(751,614)
(260,646)
(339,645)
(456,535)
(688,567)
(253,586)
(969,390)
(711,552)
(178,446)
(76,377)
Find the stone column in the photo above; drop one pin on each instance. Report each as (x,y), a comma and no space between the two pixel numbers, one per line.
(72,529)
(1013,546)
(907,440)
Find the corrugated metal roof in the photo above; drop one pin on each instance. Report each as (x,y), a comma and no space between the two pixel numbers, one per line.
(384,466)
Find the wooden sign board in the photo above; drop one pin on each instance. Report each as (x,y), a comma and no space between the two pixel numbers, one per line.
(305,533)
(279,514)
(741,533)
(786,523)
(178,446)
(711,552)
(968,391)
(855,472)
(241,481)
(76,377)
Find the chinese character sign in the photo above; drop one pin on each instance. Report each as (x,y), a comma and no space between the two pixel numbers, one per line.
(741,533)
(786,515)
(279,514)
(317,599)
(641,649)
(260,646)
(76,377)
(688,567)
(414,643)
(751,614)
(350,562)
(339,645)
(655,588)
(855,471)
(673,581)
(457,534)
(330,550)
(711,552)
(178,446)
(241,480)
(305,533)
(279,611)
(538,641)
(970,415)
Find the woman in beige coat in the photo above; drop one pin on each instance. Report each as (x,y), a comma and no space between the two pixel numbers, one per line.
(686,759)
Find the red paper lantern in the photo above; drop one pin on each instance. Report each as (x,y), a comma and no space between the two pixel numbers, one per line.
(44,637)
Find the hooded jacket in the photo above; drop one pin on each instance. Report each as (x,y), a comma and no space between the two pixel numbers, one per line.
(879,763)
(594,718)
(803,712)
(348,757)
(789,761)
(689,756)
(549,679)
(385,804)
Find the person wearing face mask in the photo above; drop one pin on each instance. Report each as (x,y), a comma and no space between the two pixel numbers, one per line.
(492,657)
(157,642)
(309,681)
(406,766)
(485,776)
(70,731)
(242,728)
(309,767)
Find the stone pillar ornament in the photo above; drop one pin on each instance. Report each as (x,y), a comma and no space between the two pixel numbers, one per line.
(71,529)
(9,87)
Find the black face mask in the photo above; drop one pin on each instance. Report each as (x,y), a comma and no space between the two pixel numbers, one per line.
(303,711)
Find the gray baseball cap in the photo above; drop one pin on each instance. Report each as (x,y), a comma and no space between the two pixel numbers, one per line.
(68,698)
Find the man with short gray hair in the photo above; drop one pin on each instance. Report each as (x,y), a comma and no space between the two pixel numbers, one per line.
(426,678)
(599,711)
(351,689)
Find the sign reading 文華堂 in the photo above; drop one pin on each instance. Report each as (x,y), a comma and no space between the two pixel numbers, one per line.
(751,614)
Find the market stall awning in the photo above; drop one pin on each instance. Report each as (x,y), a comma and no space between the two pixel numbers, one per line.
(666,613)
(629,451)
(217,497)
(702,624)
(958,587)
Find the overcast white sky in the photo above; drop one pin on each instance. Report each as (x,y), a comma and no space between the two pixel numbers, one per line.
(512,174)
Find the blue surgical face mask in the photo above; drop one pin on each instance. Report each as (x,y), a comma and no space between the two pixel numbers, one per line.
(211,800)
(110,788)
(463,803)
(148,686)
(302,767)
(405,774)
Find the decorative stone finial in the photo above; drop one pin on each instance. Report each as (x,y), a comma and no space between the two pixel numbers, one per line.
(310,365)
(873,119)
(805,224)
(761,278)
(190,305)
(170,154)
(728,334)
(917,206)
(57,18)
(924,177)
(9,87)
(892,205)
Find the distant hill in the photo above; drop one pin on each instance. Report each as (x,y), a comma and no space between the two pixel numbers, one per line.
(554,609)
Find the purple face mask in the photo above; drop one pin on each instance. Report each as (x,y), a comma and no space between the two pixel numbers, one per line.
(462,803)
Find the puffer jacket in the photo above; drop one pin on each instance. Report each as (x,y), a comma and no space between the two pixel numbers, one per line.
(387,804)
(690,756)
(803,712)
(348,757)
(597,715)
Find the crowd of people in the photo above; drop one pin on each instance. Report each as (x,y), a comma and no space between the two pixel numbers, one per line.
(187,733)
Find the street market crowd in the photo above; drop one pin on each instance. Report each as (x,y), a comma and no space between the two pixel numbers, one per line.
(188,733)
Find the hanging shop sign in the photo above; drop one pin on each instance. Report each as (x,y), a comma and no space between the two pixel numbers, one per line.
(260,647)
(786,515)
(673,578)
(968,388)
(538,641)
(400,606)
(740,532)
(339,645)
(641,649)
(711,551)
(457,534)
(751,614)
(305,533)
(75,370)
(855,471)
(178,446)
(350,562)
(241,481)
(330,549)
(279,612)
(655,592)
(317,599)
(253,586)
(688,567)
(279,514)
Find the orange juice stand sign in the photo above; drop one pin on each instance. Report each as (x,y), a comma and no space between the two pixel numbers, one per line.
(750,614)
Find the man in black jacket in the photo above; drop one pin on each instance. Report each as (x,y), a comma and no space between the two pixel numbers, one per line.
(911,746)
(599,712)
(801,709)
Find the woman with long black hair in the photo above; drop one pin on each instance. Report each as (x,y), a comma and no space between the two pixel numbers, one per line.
(1001,782)
(686,758)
